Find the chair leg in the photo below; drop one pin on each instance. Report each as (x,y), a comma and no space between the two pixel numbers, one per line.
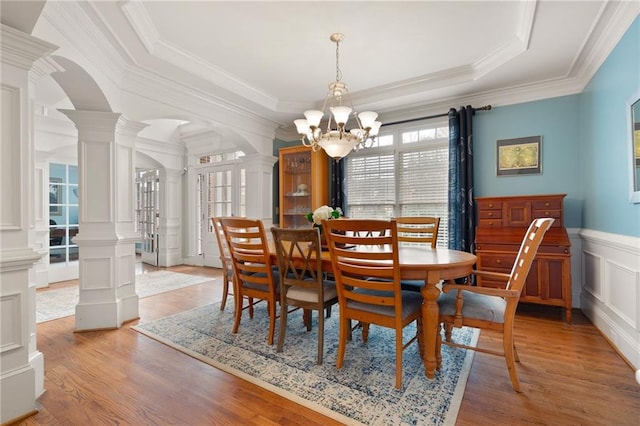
(250,307)
(225,294)
(320,336)
(283,326)
(345,331)
(365,332)
(306,315)
(398,358)
(438,347)
(448,328)
(237,296)
(271,307)
(328,311)
(509,355)
(420,331)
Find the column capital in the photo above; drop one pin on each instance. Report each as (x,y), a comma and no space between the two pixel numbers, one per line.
(261,159)
(92,121)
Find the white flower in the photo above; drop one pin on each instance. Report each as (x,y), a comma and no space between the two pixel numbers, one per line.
(325,213)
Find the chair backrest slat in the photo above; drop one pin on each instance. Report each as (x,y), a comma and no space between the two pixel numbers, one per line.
(528,249)
(418,229)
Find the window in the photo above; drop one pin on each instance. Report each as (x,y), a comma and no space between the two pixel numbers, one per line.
(405,174)
(63,213)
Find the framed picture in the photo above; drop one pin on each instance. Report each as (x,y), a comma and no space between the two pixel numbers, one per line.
(520,156)
(55,196)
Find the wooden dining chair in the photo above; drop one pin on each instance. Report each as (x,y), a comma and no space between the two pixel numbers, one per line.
(492,308)
(301,279)
(252,266)
(225,259)
(364,253)
(227,267)
(418,230)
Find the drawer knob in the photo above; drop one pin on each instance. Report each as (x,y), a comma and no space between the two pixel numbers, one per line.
(490,213)
(490,205)
(546,213)
(498,261)
(546,204)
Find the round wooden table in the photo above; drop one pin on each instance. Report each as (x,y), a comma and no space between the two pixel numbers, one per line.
(425,264)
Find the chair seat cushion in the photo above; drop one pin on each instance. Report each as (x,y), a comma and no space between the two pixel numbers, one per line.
(263,287)
(304,294)
(411,301)
(477,306)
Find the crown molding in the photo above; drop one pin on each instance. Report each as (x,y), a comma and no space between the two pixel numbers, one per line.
(199,67)
(141,24)
(614,20)
(198,103)
(20,49)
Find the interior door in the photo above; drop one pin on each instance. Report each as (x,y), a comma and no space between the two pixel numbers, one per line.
(148,214)
(219,196)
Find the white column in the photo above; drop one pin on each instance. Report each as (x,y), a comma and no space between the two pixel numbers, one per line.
(259,175)
(106,236)
(170,231)
(21,365)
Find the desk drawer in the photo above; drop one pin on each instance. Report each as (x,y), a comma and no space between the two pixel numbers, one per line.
(498,262)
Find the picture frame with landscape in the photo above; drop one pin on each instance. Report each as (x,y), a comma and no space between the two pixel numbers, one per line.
(519,156)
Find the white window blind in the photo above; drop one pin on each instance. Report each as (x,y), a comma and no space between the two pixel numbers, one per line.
(409,177)
(371,186)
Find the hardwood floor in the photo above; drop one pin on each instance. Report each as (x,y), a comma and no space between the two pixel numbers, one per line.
(569,374)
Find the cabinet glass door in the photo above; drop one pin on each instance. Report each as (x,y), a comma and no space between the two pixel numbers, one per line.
(297,189)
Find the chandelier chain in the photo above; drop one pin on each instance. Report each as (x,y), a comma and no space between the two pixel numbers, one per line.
(338,72)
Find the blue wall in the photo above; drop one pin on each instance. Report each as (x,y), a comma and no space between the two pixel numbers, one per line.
(556,120)
(605,140)
(585,145)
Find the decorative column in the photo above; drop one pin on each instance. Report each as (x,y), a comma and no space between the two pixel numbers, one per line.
(21,364)
(107,235)
(259,175)
(170,247)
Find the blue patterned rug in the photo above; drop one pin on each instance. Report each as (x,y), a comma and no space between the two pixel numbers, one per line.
(362,392)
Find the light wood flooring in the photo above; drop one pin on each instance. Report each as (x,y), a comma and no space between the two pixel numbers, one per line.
(570,376)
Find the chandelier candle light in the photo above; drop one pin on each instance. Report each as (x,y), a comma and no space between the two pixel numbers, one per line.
(339,141)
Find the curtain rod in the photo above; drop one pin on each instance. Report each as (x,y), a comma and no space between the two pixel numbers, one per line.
(483,108)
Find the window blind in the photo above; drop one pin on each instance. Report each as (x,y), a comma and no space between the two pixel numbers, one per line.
(406,177)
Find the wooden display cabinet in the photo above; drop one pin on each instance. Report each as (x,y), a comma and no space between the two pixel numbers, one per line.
(502,223)
(304,184)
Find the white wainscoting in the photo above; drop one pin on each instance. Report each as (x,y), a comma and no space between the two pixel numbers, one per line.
(610,283)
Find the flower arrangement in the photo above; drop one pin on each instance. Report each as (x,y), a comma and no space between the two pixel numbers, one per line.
(323,213)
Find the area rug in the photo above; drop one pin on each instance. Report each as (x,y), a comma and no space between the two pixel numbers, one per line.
(361,392)
(58,303)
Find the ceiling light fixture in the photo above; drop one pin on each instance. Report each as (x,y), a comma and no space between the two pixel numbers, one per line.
(338,142)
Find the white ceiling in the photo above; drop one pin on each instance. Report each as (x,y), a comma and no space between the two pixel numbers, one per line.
(275,59)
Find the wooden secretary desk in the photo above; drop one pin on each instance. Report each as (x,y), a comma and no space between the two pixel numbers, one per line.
(502,223)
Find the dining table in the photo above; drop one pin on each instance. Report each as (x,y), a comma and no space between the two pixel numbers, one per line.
(421,263)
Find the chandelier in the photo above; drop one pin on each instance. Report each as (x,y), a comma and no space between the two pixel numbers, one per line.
(338,141)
